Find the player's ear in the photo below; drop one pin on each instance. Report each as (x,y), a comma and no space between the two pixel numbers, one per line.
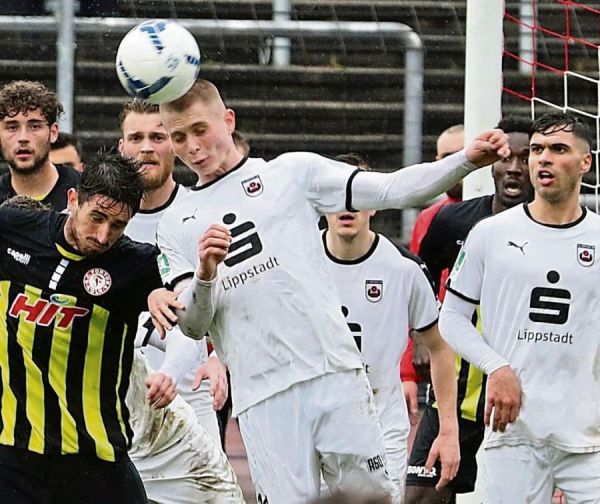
(230,120)
(586,163)
(120,146)
(53,132)
(72,200)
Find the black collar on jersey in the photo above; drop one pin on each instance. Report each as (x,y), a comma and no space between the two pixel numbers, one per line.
(236,167)
(351,261)
(164,205)
(557,226)
(61,243)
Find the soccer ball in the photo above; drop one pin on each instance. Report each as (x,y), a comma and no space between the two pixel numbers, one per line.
(158,61)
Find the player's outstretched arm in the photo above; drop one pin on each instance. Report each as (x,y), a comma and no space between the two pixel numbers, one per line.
(198,297)
(443,376)
(503,397)
(214,371)
(416,184)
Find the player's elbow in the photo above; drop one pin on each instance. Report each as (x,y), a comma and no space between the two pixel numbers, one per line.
(190,326)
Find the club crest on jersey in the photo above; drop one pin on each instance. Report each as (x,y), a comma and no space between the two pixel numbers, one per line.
(586,254)
(374,290)
(97,281)
(253,186)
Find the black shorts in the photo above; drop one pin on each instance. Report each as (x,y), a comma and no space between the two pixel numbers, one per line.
(29,478)
(470,437)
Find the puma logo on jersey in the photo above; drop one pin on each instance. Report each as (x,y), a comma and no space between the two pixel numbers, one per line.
(21,257)
(189,217)
(520,247)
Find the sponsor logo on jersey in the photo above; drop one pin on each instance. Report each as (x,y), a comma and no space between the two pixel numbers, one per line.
(245,242)
(235,281)
(44,312)
(517,246)
(549,304)
(422,472)
(97,281)
(253,186)
(262,498)
(374,290)
(355,328)
(21,257)
(586,254)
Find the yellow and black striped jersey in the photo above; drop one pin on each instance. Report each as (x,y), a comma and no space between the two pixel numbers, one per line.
(67,329)
(439,248)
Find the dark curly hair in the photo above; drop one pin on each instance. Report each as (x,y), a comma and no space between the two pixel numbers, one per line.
(113,177)
(26,96)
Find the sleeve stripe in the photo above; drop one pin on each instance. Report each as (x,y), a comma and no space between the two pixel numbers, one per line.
(171,285)
(460,295)
(149,326)
(349,190)
(428,326)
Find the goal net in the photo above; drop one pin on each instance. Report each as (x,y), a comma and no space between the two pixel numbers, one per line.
(551,62)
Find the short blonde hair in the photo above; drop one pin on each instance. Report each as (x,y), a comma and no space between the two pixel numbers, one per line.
(202,91)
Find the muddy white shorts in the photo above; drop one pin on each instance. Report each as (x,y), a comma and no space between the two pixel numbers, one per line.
(326,425)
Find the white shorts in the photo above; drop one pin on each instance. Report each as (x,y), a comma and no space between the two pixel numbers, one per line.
(525,473)
(328,424)
(193,470)
(391,406)
(211,425)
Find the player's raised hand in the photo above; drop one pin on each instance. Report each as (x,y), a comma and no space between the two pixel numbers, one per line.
(162,304)
(213,246)
(162,389)
(503,398)
(446,448)
(488,147)
(216,372)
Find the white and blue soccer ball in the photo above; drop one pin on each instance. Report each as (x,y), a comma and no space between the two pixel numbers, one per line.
(158,61)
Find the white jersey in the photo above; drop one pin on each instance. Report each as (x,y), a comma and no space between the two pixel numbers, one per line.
(540,307)
(287,327)
(142,228)
(383,294)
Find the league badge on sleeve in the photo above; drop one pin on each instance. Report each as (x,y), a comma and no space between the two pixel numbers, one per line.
(253,186)
(586,254)
(374,290)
